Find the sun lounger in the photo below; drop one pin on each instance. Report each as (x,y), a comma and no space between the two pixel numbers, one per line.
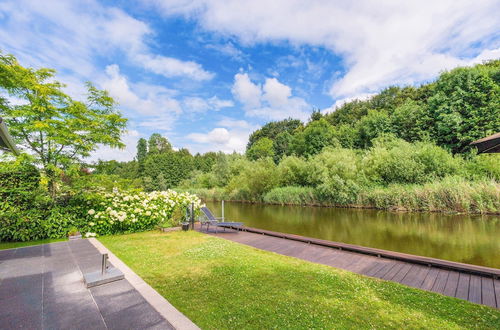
(209,220)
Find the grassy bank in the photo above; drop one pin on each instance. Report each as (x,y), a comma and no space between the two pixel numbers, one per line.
(220,284)
(452,194)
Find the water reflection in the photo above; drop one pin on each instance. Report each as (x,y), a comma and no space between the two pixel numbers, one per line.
(468,239)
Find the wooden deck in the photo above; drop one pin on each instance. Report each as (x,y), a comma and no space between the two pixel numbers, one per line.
(468,285)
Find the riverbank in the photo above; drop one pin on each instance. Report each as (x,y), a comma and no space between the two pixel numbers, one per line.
(452,195)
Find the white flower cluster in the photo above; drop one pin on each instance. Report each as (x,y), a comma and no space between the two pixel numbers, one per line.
(133,212)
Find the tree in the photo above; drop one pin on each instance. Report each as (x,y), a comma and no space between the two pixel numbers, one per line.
(261,149)
(173,167)
(466,105)
(142,152)
(52,126)
(158,144)
(374,124)
(281,146)
(317,135)
(272,129)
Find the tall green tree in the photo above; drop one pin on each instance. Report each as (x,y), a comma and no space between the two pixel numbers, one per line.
(158,144)
(466,105)
(142,152)
(261,149)
(52,126)
(272,129)
(317,135)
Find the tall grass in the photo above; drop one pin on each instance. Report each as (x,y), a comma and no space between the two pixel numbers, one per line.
(451,194)
(292,195)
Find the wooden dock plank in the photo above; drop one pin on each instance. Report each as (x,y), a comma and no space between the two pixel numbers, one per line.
(475,289)
(371,271)
(463,286)
(393,271)
(496,284)
(441,280)
(451,284)
(430,279)
(398,277)
(384,270)
(487,292)
(416,276)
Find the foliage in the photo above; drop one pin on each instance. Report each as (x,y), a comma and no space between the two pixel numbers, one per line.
(293,171)
(158,144)
(261,149)
(55,128)
(118,212)
(252,183)
(396,161)
(465,105)
(317,135)
(272,129)
(172,166)
(256,289)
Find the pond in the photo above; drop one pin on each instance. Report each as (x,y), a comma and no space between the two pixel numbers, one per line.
(472,239)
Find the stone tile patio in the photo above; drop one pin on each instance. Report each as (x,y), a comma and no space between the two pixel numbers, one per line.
(41,287)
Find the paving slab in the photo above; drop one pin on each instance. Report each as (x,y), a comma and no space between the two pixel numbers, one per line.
(42,287)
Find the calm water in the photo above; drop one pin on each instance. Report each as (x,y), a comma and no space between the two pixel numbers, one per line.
(467,239)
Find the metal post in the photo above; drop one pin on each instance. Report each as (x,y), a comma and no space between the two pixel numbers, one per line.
(104,263)
(192,216)
(222,210)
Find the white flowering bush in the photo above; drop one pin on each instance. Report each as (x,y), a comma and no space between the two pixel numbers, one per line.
(122,212)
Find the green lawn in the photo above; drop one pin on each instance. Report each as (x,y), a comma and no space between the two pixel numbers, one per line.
(12,245)
(221,284)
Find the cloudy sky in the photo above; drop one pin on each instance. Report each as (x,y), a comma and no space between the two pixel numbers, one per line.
(207,73)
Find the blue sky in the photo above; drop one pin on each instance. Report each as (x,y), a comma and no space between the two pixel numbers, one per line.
(207,73)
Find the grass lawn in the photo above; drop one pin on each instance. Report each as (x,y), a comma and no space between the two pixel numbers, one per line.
(220,284)
(12,245)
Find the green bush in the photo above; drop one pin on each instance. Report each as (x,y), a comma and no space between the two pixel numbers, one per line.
(251,184)
(293,171)
(484,166)
(393,160)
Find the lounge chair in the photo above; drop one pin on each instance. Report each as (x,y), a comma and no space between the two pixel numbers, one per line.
(209,220)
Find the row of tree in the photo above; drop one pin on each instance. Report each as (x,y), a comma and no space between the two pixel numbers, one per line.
(461,106)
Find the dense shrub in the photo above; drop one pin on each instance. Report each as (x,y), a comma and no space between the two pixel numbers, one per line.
(397,161)
(293,171)
(19,183)
(484,166)
(252,183)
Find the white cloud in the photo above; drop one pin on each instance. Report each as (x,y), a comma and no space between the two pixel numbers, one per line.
(245,91)
(276,93)
(156,109)
(172,67)
(381,43)
(228,49)
(232,135)
(199,105)
(130,139)
(272,101)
